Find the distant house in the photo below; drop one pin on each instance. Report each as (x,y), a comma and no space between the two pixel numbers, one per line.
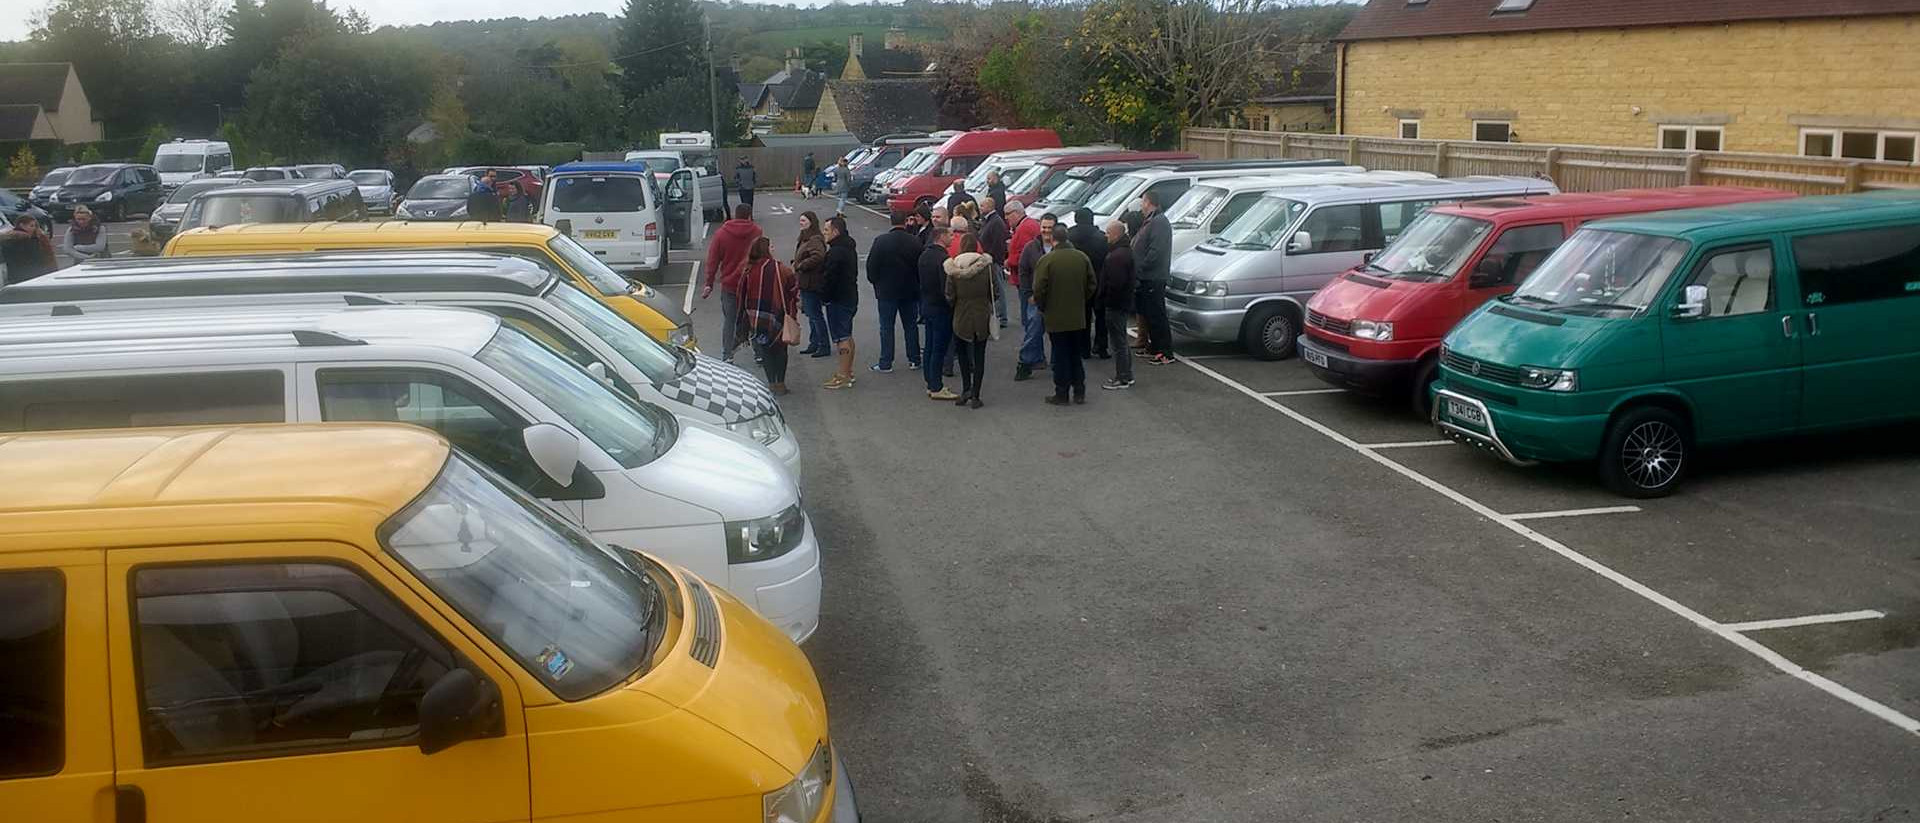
(44,101)
(1298,98)
(881,91)
(1834,78)
(895,59)
(789,96)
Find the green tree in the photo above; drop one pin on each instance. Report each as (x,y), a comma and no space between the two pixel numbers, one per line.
(660,41)
(352,116)
(89,154)
(24,165)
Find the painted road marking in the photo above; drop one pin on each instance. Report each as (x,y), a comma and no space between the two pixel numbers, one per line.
(1410,444)
(1808,620)
(692,278)
(1295,393)
(1573,512)
(1741,641)
(1203,356)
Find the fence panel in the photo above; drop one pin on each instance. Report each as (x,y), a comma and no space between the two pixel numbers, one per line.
(1587,168)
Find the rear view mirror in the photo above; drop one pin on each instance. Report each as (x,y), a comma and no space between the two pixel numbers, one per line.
(555,450)
(1301,241)
(456,708)
(563,226)
(1693,304)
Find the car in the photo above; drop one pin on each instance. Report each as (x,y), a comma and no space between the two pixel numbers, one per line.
(165,220)
(323,171)
(282,201)
(625,470)
(13,205)
(41,194)
(436,197)
(955,159)
(1377,329)
(1643,338)
(327,621)
(180,160)
(232,174)
(526,177)
(269,173)
(115,191)
(876,192)
(886,152)
(376,189)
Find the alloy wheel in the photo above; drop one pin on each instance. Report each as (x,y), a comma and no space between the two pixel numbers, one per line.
(1651,454)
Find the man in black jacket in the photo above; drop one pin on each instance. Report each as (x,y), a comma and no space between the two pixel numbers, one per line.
(935,311)
(841,288)
(994,235)
(1114,299)
(1152,260)
(1088,238)
(893,267)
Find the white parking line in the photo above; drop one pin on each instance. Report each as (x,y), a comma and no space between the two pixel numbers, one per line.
(1410,444)
(692,278)
(1295,393)
(1573,512)
(1753,647)
(1808,620)
(1205,356)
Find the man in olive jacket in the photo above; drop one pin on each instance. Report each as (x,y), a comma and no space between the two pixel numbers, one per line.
(1063,282)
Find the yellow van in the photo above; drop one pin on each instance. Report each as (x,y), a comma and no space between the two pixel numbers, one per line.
(327,623)
(642,305)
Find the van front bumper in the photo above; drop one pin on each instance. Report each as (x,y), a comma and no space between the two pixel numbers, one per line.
(784,590)
(1344,369)
(1191,316)
(1517,436)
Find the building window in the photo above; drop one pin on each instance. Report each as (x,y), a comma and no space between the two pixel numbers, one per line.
(1513,6)
(1492,131)
(1691,138)
(1409,129)
(1861,144)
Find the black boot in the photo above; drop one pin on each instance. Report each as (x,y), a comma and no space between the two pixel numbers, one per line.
(1080,395)
(1023,372)
(1058,398)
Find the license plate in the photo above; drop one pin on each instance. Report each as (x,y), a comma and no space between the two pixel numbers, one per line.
(601,234)
(1466,413)
(1314,357)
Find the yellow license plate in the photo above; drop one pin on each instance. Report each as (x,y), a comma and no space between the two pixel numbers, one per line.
(601,234)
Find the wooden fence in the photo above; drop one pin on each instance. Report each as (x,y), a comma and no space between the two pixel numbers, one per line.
(1572,168)
(776,168)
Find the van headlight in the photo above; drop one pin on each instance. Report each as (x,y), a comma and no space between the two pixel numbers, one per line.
(1536,377)
(802,800)
(765,538)
(1208,288)
(765,429)
(1381,330)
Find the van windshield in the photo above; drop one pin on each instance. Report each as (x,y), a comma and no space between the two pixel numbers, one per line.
(977,179)
(89,175)
(660,164)
(1262,226)
(180,162)
(1073,192)
(1114,193)
(646,354)
(1029,180)
(227,210)
(1193,207)
(1433,247)
(631,432)
(368,178)
(918,161)
(1603,272)
(579,617)
(584,193)
(605,280)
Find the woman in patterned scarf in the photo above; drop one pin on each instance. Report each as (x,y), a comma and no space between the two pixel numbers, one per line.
(769,310)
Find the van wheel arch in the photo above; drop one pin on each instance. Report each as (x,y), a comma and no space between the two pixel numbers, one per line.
(1660,422)
(1270,329)
(1425,371)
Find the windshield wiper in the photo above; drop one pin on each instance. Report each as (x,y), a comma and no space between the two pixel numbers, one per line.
(1517,296)
(1249,246)
(1423,274)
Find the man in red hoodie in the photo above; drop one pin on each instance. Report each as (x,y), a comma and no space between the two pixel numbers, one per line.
(727,259)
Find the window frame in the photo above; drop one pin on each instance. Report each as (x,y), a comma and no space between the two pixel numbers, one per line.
(1707,255)
(1512,278)
(1691,140)
(1801,281)
(1507,124)
(288,395)
(1836,138)
(61,601)
(1415,123)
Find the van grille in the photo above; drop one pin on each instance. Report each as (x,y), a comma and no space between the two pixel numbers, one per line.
(706,624)
(1480,368)
(1332,324)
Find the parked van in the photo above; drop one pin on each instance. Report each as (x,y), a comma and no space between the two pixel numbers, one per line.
(1377,330)
(1119,196)
(178,160)
(613,209)
(1084,183)
(886,152)
(1010,164)
(640,304)
(530,296)
(1039,179)
(628,471)
(286,201)
(912,163)
(1250,282)
(349,622)
(956,158)
(1642,338)
(1212,205)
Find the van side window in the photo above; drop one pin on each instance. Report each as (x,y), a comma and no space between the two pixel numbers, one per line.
(1335,229)
(464,415)
(1166,192)
(1233,209)
(1858,266)
(960,166)
(245,661)
(127,400)
(1516,254)
(33,681)
(1739,281)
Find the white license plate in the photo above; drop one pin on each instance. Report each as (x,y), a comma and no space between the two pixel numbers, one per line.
(1466,413)
(1314,357)
(601,234)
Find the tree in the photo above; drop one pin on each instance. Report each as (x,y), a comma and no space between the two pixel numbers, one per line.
(1204,56)
(660,41)
(352,116)
(200,24)
(109,43)
(24,165)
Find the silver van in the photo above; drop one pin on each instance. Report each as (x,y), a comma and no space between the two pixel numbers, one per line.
(1251,282)
(1116,196)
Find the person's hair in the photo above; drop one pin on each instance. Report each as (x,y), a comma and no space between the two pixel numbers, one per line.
(938,234)
(1083,216)
(1151,197)
(742,212)
(1012,203)
(968,242)
(898,218)
(1059,235)
(77,211)
(925,214)
(940,209)
(761,250)
(1132,221)
(24,217)
(813,224)
(1049,216)
(960,224)
(985,203)
(838,223)
(967,210)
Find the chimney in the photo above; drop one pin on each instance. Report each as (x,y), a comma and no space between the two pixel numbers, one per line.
(733,62)
(897,38)
(856,44)
(794,63)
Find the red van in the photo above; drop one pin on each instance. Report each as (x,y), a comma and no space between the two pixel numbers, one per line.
(956,159)
(1040,179)
(1377,329)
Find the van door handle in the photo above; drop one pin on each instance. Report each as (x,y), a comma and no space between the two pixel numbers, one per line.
(1786,325)
(129,805)
(1813,324)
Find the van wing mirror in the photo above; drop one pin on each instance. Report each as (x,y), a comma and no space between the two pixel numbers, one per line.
(1693,303)
(555,450)
(1301,241)
(598,370)
(456,708)
(563,226)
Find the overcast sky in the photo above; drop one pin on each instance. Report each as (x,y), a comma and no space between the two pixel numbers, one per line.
(406,12)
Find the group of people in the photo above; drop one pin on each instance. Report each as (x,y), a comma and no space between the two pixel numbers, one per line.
(27,248)
(949,270)
(495,200)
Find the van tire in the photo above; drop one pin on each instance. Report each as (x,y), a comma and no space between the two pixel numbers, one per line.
(1421,393)
(1270,331)
(1646,452)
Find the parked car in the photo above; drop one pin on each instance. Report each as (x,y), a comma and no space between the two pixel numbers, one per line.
(527,294)
(42,192)
(13,205)
(627,471)
(522,176)
(885,153)
(956,158)
(616,211)
(1377,330)
(165,220)
(181,160)
(337,611)
(323,171)
(232,173)
(663,163)
(285,201)
(115,191)
(1249,284)
(643,306)
(1214,203)
(436,197)
(266,174)
(376,189)
(1643,338)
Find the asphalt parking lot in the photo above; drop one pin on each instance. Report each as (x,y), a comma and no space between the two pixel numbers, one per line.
(1231,594)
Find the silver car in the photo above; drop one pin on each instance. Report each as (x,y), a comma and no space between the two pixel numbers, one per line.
(376,188)
(165,219)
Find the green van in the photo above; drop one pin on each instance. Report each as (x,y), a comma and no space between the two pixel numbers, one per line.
(1642,337)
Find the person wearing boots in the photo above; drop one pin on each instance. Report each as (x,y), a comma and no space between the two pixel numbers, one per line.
(970,288)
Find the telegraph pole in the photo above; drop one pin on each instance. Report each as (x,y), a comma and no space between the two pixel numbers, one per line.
(713,90)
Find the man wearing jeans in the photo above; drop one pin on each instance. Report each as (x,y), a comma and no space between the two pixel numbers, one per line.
(893,267)
(1152,260)
(726,259)
(1032,239)
(937,313)
(1115,303)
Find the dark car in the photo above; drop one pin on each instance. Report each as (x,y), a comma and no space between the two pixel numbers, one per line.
(284,201)
(12,204)
(42,193)
(166,219)
(322,171)
(436,197)
(113,190)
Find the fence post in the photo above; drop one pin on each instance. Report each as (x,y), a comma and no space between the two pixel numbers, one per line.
(1353,151)
(1230,151)
(1693,169)
(1286,143)
(1552,163)
(1440,159)
(1855,179)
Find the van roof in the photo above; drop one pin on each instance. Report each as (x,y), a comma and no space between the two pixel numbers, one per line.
(227,328)
(297,185)
(1304,177)
(1774,215)
(613,166)
(151,487)
(396,232)
(986,141)
(1103,157)
(1364,190)
(1617,201)
(408,271)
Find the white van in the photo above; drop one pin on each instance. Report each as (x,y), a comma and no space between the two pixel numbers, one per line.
(1011,163)
(181,160)
(614,210)
(531,297)
(1119,195)
(1207,208)
(628,471)
(1251,282)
